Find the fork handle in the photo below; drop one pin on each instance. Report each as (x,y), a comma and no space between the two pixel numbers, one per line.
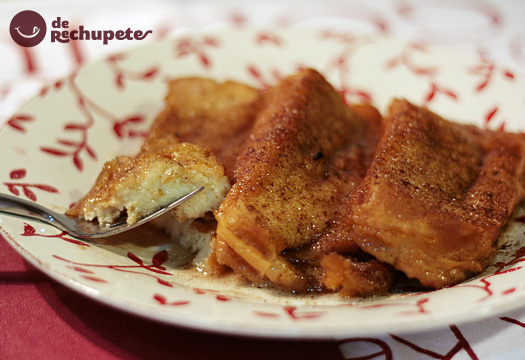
(16,206)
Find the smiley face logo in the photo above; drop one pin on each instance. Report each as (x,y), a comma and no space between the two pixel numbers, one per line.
(28,28)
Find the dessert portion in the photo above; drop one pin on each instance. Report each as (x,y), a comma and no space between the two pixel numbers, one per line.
(306,193)
(218,116)
(306,154)
(192,143)
(437,195)
(161,173)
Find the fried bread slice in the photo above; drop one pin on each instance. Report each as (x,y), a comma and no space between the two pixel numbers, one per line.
(437,195)
(215,115)
(159,174)
(303,158)
(198,113)
(212,119)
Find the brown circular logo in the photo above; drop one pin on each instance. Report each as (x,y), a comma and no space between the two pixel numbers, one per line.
(28,28)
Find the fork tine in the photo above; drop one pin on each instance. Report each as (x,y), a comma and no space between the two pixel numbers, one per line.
(165,209)
(86,231)
(78,228)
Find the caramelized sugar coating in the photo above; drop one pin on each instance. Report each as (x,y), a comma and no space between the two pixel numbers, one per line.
(216,115)
(337,237)
(162,172)
(304,157)
(436,195)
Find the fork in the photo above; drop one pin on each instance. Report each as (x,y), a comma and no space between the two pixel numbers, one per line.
(77,227)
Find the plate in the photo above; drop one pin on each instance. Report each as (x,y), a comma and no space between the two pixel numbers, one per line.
(54,146)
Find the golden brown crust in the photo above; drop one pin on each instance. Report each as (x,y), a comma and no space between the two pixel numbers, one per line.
(109,174)
(301,161)
(436,195)
(337,237)
(216,115)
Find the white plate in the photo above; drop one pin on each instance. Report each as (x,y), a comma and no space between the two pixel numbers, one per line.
(54,147)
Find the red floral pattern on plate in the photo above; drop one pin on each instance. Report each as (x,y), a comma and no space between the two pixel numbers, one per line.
(16,186)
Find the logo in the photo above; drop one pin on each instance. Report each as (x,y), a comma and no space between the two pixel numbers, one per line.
(65,35)
(28,28)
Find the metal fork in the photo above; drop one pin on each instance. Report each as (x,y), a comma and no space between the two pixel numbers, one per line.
(78,228)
